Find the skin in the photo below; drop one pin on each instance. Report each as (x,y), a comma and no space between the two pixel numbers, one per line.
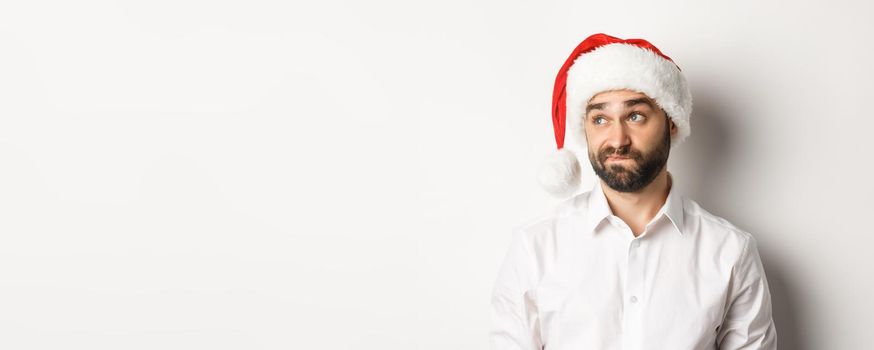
(636,131)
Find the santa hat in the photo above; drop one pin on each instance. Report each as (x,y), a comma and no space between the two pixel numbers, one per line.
(602,63)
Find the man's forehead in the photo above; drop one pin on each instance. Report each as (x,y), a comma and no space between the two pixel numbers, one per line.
(617,95)
(629,99)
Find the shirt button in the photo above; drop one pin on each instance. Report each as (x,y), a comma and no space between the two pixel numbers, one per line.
(633,299)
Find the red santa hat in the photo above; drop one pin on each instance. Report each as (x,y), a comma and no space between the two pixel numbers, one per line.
(602,63)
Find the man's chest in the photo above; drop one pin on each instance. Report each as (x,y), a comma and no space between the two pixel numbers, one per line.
(609,290)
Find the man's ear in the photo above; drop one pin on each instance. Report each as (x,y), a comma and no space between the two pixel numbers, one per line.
(674,128)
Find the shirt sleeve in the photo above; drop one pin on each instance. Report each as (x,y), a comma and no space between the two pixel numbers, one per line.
(748,322)
(513,312)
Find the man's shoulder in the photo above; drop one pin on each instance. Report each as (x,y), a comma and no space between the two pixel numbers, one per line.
(714,227)
(545,225)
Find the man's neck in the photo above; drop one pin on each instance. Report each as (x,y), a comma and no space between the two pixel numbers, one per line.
(636,209)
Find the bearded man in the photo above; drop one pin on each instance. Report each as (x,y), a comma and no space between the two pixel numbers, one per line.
(631,264)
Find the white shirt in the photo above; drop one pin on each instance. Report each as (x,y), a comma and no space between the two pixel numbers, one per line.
(579,279)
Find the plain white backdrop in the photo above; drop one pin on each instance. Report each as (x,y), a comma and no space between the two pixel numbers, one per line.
(346,175)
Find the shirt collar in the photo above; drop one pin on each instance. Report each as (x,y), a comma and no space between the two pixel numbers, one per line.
(599,209)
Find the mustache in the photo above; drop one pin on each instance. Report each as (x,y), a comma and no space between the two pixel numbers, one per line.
(625,151)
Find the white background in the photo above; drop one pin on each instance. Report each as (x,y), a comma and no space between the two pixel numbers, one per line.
(346,175)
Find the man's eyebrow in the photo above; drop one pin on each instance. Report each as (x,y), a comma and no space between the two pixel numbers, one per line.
(629,103)
(636,101)
(594,106)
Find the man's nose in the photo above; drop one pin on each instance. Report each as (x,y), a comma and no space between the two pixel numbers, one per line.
(618,136)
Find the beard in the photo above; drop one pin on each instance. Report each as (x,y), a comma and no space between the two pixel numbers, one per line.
(633,178)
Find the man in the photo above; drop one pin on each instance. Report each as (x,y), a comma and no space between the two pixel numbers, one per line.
(631,264)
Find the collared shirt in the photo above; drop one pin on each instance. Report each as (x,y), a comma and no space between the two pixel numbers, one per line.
(579,279)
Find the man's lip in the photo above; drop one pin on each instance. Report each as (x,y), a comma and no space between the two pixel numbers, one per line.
(616,158)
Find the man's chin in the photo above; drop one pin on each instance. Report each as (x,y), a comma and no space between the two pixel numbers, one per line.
(623,180)
(619,169)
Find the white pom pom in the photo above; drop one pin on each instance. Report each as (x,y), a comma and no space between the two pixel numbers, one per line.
(560,173)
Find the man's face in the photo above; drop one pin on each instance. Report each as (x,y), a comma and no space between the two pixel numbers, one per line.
(628,137)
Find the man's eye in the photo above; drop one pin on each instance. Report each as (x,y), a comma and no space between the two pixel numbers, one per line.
(598,120)
(636,117)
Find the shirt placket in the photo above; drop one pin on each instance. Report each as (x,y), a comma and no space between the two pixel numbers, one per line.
(633,293)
